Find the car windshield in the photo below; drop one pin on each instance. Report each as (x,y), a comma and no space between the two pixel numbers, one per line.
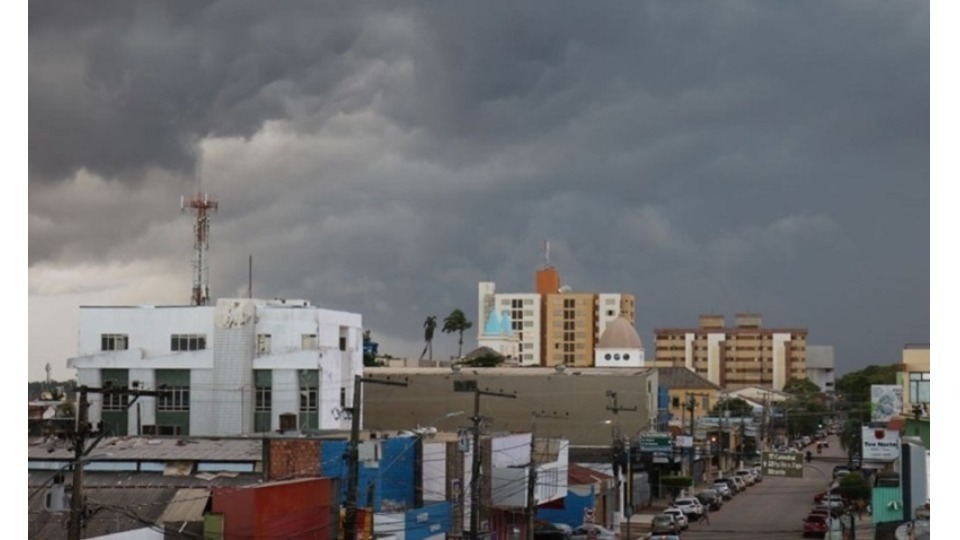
(816,519)
(663,519)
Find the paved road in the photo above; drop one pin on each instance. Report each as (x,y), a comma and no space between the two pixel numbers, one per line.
(774,508)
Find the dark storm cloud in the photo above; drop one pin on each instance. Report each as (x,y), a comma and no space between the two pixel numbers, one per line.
(707,157)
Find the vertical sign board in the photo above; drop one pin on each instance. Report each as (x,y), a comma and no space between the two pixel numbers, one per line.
(658,444)
(782,464)
(880,444)
(886,401)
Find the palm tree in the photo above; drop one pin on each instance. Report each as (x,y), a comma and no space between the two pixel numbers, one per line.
(429,326)
(457,322)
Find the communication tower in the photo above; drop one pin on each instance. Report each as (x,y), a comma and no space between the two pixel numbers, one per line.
(202,206)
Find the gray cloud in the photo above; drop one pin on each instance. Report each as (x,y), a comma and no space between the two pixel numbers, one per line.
(705,157)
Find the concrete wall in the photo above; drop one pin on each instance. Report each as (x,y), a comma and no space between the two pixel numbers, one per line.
(581,393)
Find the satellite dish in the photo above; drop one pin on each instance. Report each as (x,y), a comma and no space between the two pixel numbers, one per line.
(565,289)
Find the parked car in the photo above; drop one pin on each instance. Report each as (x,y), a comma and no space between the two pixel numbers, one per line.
(664,523)
(833,501)
(746,476)
(663,537)
(690,505)
(734,487)
(724,490)
(756,473)
(583,532)
(815,524)
(544,530)
(711,498)
(678,515)
(741,484)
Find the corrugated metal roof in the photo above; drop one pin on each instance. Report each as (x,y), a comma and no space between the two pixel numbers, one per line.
(157,449)
(187,505)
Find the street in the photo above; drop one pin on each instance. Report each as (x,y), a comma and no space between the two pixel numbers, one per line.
(774,508)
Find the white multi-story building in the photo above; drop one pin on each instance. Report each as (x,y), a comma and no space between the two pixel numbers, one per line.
(524,313)
(820,367)
(238,367)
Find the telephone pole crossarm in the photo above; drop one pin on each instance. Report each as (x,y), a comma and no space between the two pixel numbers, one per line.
(475,468)
(532,474)
(353,453)
(81,451)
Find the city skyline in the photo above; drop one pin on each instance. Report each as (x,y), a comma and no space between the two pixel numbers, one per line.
(712,158)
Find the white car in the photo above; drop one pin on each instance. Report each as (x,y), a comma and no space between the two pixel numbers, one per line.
(678,515)
(690,506)
(746,476)
(723,489)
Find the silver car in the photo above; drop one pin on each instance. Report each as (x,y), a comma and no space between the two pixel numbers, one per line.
(600,533)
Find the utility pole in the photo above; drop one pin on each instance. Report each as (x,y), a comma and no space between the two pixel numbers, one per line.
(532,474)
(475,476)
(353,456)
(80,449)
(615,407)
(692,407)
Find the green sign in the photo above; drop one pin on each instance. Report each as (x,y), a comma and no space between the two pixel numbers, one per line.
(789,464)
(656,442)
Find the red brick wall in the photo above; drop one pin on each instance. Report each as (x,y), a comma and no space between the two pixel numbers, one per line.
(291,458)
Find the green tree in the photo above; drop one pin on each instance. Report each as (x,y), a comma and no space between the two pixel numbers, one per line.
(854,387)
(851,438)
(429,326)
(487,360)
(801,388)
(457,322)
(854,486)
(737,407)
(804,416)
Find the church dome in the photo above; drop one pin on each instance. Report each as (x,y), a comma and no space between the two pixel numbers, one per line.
(620,334)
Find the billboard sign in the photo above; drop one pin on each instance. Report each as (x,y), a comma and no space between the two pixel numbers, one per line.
(886,401)
(880,444)
(782,464)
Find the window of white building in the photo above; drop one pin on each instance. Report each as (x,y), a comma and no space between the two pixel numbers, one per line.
(263,344)
(188,342)
(113,342)
(176,398)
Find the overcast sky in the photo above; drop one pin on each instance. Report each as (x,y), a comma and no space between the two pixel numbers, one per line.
(382,158)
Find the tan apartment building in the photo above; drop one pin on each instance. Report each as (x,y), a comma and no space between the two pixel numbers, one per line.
(552,325)
(745,354)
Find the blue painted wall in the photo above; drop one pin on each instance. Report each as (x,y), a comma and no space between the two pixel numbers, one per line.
(663,408)
(393,477)
(572,511)
(428,521)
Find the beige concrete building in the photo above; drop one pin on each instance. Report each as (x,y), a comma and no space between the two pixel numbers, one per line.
(552,325)
(745,354)
(593,403)
(916,379)
(685,387)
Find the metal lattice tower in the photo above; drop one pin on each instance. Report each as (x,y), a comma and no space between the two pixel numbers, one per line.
(202,206)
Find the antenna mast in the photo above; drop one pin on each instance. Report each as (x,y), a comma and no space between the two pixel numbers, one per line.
(546,254)
(202,205)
